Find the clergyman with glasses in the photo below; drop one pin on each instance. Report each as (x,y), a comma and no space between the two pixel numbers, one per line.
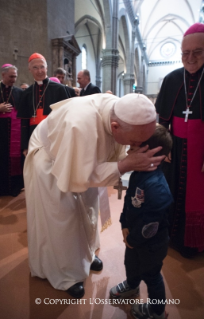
(36,100)
(180,105)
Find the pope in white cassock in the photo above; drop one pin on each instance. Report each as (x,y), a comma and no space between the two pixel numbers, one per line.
(77,148)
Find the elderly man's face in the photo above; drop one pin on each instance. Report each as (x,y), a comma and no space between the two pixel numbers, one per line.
(82,79)
(134,137)
(9,77)
(38,68)
(193,52)
(60,77)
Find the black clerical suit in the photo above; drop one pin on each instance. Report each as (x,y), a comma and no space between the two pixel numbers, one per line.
(91,89)
(170,105)
(11,162)
(70,91)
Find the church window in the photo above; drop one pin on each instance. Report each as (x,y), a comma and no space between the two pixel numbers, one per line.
(84,57)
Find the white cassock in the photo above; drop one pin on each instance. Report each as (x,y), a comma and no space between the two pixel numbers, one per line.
(71,153)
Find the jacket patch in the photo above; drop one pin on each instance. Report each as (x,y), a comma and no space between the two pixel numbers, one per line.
(138,199)
(150,230)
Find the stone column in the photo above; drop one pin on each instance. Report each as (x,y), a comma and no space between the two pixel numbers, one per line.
(129,80)
(111,54)
(98,81)
(109,64)
(139,89)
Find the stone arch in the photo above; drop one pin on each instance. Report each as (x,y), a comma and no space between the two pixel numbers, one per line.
(96,37)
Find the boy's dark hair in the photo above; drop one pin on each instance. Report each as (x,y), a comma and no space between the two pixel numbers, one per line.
(161,137)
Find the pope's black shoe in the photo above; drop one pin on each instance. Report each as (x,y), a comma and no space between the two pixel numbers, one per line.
(97,264)
(77,290)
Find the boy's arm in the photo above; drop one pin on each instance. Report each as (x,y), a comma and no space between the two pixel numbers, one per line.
(125,230)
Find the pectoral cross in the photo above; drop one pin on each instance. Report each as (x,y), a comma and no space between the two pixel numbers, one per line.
(34,116)
(187,112)
(120,188)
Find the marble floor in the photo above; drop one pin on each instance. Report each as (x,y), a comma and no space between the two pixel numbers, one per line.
(24,297)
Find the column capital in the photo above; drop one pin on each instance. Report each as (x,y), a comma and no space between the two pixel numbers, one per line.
(139,89)
(129,77)
(110,57)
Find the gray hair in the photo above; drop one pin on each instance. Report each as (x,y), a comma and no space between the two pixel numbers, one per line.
(29,63)
(7,68)
(125,126)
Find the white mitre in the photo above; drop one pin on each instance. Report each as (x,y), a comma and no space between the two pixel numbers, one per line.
(135,109)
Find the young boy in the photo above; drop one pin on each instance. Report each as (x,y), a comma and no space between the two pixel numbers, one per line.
(145,232)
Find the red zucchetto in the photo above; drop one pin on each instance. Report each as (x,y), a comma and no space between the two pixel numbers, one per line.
(36,56)
(195,28)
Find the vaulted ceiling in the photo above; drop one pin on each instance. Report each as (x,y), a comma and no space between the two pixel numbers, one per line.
(162,24)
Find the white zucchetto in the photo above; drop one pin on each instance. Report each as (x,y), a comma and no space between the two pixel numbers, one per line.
(135,109)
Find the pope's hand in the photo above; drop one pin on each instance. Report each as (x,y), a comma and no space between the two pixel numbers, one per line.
(202,170)
(140,159)
(5,107)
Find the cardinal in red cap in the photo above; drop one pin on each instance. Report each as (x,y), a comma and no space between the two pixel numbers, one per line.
(180,105)
(36,100)
(36,56)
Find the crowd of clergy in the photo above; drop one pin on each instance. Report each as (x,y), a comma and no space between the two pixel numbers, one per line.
(22,109)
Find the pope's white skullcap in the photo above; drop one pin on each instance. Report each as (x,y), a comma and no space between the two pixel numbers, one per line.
(135,109)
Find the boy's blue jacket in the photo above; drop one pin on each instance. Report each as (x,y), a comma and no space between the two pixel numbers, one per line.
(145,208)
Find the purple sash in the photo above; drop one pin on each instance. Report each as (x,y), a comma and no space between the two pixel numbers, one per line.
(193,131)
(15,142)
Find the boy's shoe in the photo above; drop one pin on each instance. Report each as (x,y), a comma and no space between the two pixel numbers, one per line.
(144,311)
(123,290)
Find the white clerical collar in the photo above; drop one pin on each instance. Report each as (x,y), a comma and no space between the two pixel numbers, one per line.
(86,86)
(40,82)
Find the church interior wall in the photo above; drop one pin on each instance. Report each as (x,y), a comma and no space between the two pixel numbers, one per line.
(60,23)
(86,8)
(82,38)
(28,27)
(23,30)
(156,75)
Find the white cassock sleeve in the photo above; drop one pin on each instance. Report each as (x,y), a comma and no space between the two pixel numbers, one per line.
(81,148)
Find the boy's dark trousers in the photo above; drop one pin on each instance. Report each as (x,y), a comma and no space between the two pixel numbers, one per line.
(143,264)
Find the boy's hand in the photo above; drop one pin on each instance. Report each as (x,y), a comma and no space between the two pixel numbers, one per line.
(126,232)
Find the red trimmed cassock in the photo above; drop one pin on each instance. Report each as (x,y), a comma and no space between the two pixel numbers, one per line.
(11,159)
(184,174)
(39,95)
